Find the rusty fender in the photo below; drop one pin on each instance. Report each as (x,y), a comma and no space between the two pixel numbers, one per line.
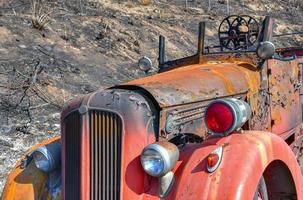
(28,183)
(245,158)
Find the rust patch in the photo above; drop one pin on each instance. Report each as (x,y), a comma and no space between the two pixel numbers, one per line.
(284,95)
(192,83)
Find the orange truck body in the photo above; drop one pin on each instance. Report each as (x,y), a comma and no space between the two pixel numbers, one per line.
(104,133)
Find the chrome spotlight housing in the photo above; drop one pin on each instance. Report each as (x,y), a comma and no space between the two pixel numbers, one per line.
(266,50)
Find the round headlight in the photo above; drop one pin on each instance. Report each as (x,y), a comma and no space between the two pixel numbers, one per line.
(159,158)
(47,158)
(145,64)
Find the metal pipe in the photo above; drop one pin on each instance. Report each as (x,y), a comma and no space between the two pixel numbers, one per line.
(161,58)
(267,32)
(201,38)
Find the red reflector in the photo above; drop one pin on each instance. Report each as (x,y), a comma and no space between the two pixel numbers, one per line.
(219,118)
(212,160)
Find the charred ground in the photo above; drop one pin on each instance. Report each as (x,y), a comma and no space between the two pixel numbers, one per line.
(85,46)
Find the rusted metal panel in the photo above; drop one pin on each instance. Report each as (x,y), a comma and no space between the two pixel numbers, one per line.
(260,103)
(200,82)
(284,95)
(182,94)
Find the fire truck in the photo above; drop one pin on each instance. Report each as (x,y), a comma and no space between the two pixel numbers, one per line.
(223,124)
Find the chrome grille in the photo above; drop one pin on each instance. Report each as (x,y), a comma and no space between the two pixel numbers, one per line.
(105,155)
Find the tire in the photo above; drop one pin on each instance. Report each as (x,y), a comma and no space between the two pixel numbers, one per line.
(261,191)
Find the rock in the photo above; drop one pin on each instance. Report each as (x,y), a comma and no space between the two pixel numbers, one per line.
(5,143)
(47,47)
(136,43)
(106,43)
(56,115)
(22,46)
(56,126)
(88,88)
(5,129)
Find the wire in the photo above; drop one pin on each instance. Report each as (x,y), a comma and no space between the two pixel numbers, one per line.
(286,34)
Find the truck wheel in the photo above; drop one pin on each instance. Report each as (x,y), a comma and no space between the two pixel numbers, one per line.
(261,192)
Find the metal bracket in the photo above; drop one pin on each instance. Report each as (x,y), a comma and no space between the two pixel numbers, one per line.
(83,109)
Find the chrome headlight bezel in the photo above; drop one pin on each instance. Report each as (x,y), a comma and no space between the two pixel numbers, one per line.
(168,154)
(47,158)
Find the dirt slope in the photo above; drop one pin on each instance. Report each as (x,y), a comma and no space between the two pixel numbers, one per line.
(94,45)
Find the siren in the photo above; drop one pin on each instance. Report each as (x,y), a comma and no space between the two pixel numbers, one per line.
(224,116)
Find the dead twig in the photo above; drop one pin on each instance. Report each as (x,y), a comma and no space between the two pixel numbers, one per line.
(38,106)
(30,82)
(42,95)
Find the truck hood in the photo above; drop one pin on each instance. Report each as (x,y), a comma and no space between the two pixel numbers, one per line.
(199,82)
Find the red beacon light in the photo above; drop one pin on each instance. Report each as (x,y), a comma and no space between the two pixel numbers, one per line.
(224,116)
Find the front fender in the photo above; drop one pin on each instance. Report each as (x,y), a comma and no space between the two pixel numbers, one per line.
(245,157)
(28,183)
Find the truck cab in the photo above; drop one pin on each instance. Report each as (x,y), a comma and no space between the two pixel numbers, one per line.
(225,123)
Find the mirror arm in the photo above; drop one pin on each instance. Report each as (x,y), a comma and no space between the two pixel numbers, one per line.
(281,58)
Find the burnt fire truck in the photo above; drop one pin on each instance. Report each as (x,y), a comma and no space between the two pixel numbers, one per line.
(223,124)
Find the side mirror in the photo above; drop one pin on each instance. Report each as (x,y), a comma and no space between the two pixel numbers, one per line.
(266,50)
(145,64)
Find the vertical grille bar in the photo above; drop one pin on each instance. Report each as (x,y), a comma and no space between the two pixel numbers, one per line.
(103,166)
(115,154)
(105,140)
(72,156)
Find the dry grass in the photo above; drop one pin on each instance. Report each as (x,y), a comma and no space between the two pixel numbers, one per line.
(145,2)
(40,17)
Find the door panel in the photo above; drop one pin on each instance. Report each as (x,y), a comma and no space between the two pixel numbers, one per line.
(286,112)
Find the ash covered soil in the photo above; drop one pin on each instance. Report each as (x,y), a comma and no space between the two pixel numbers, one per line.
(93,45)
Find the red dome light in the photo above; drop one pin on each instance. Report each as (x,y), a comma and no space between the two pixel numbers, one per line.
(219,118)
